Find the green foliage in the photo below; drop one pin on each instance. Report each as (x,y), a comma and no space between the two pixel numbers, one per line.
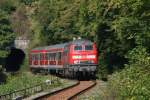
(139,56)
(54,19)
(7,5)
(59,20)
(23,80)
(102,68)
(6,33)
(133,82)
(20,22)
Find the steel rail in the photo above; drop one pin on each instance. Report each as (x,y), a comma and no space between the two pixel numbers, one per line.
(83,91)
(69,87)
(57,91)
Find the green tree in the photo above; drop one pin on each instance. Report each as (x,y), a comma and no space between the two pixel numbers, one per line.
(8,5)
(6,33)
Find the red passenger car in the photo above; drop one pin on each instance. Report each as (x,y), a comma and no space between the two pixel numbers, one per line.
(69,59)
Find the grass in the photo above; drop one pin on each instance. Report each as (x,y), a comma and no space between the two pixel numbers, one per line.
(24,80)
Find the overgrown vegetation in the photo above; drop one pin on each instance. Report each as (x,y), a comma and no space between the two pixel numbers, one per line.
(133,82)
(6,33)
(25,80)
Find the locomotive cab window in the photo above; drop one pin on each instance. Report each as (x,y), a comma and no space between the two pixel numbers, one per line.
(88,47)
(77,47)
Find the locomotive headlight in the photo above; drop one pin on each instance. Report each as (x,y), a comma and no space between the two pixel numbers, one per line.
(76,61)
(91,56)
(76,57)
(92,61)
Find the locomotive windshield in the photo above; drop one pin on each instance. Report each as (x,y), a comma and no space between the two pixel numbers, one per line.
(88,47)
(77,47)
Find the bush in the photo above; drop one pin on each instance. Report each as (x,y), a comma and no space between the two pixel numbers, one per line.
(23,80)
(102,68)
(132,83)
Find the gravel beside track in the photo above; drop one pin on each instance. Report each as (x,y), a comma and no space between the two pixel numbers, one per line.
(99,92)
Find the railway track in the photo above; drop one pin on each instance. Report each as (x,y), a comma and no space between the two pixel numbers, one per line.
(70,93)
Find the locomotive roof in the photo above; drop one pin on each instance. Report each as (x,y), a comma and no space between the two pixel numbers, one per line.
(56,46)
(81,41)
(74,42)
(51,46)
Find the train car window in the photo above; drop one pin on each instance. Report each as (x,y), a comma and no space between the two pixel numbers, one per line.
(41,56)
(54,56)
(50,57)
(46,56)
(38,58)
(35,57)
(32,56)
(77,47)
(59,55)
(88,47)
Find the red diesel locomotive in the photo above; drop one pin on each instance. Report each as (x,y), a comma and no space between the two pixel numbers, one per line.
(78,57)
